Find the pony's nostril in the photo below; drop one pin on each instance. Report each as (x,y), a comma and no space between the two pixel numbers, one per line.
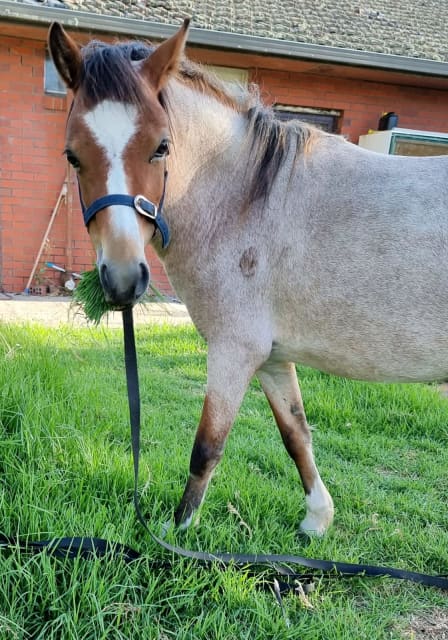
(144,271)
(143,282)
(104,277)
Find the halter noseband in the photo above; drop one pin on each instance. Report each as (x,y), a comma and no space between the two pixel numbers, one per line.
(139,203)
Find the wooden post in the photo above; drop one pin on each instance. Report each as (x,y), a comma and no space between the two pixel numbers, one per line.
(62,196)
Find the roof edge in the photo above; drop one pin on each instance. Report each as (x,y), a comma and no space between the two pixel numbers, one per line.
(17,12)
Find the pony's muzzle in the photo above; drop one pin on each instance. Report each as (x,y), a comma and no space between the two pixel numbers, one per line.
(124,285)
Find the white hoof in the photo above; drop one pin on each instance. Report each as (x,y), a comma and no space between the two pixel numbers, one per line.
(185,523)
(169,524)
(320,511)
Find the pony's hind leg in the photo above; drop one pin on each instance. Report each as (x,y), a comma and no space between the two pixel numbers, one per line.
(279,382)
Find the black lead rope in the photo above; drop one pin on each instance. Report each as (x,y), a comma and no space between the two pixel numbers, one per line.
(238,559)
(273,569)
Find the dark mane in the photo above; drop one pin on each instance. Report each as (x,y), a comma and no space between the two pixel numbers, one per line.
(109,73)
(270,139)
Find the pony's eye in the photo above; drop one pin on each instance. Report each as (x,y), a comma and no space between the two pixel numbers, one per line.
(161,152)
(72,159)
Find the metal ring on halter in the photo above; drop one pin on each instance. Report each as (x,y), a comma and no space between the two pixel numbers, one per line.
(139,205)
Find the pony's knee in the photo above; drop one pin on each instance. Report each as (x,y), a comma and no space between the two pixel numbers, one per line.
(320,510)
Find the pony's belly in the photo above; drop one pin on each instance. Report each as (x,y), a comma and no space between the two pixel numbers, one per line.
(374,365)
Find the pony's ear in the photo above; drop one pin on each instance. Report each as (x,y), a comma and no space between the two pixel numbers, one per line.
(166,58)
(66,55)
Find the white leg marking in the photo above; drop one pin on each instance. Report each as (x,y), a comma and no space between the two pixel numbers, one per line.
(186,523)
(320,510)
(169,524)
(112,125)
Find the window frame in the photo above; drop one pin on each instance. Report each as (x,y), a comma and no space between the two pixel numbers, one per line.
(326,119)
(53,83)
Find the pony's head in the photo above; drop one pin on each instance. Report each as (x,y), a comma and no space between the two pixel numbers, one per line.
(117,140)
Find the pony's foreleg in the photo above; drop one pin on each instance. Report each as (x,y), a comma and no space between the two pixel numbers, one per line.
(279,382)
(228,377)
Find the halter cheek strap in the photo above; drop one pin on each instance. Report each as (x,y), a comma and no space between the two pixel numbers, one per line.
(139,203)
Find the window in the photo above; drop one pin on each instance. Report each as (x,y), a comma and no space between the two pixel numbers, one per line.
(326,119)
(52,82)
(230,74)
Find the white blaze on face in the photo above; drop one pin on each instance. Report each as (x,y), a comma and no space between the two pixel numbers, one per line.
(112,125)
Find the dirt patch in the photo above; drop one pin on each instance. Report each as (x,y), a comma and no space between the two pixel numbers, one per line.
(52,312)
(432,625)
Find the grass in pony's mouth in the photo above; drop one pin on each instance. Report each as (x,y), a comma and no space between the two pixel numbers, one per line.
(89,296)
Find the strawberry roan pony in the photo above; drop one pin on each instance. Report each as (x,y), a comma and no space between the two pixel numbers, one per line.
(287,244)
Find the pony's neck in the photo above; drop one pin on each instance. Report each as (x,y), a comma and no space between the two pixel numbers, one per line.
(208,149)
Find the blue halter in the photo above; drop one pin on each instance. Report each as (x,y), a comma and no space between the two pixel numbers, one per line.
(142,205)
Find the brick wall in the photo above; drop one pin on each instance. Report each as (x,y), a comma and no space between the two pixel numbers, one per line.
(31,169)
(32,137)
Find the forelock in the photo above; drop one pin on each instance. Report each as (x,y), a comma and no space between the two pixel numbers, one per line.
(110,72)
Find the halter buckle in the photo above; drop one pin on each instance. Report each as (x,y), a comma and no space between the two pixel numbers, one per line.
(140,201)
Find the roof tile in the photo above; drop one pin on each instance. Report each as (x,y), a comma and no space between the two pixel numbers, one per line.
(415,28)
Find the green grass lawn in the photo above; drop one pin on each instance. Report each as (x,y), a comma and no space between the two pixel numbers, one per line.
(66,470)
